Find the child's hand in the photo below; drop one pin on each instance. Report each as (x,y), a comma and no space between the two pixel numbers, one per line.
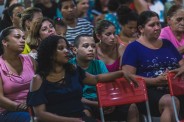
(108,110)
(130,77)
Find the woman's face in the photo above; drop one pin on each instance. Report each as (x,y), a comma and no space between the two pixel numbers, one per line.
(130,29)
(83,6)
(46,30)
(151,29)
(108,36)
(15,41)
(177,21)
(62,53)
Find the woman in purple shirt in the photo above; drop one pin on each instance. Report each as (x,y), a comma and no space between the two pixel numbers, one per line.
(150,58)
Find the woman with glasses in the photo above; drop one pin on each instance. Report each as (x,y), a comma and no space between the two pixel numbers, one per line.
(174,32)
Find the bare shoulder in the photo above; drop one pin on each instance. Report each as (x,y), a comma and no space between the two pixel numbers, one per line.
(121,49)
(34,63)
(36,83)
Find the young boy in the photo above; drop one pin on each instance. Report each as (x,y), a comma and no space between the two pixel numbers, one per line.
(85,50)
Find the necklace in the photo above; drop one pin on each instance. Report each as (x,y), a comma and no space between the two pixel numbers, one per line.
(61,81)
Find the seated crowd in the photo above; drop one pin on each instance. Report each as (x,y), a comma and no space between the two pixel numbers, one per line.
(50,64)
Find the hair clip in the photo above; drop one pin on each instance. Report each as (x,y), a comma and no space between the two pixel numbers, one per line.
(58,19)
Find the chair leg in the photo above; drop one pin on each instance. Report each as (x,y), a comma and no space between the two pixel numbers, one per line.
(143,118)
(148,112)
(175,111)
(102,114)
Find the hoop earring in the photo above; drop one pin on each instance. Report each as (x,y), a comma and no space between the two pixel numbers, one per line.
(100,41)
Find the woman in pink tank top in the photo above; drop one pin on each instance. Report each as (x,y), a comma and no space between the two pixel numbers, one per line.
(16,72)
(109,50)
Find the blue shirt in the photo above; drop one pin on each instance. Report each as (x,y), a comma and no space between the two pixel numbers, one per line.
(61,99)
(151,62)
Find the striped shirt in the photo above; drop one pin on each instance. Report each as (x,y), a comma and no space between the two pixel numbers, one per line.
(83,27)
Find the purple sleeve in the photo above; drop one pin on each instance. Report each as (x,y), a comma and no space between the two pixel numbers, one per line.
(130,55)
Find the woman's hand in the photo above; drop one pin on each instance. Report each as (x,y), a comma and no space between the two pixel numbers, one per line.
(21,107)
(178,71)
(162,79)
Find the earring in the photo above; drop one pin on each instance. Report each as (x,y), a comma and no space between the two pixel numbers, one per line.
(100,41)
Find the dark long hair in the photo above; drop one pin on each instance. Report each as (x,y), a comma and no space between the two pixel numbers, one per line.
(46,52)
(125,14)
(145,16)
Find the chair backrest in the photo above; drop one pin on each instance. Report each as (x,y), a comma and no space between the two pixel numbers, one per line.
(119,92)
(176,85)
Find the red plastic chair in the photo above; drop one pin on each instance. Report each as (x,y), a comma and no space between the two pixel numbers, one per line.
(176,88)
(120,92)
(32,116)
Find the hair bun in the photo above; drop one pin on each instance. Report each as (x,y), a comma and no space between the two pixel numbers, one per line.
(123,10)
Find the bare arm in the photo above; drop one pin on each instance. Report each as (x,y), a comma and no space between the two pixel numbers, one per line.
(89,102)
(93,79)
(141,5)
(5,102)
(34,63)
(181,49)
(160,80)
(40,110)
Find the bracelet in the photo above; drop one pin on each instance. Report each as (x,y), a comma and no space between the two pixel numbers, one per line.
(17,107)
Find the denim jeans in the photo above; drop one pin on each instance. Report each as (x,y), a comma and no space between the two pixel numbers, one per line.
(14,117)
